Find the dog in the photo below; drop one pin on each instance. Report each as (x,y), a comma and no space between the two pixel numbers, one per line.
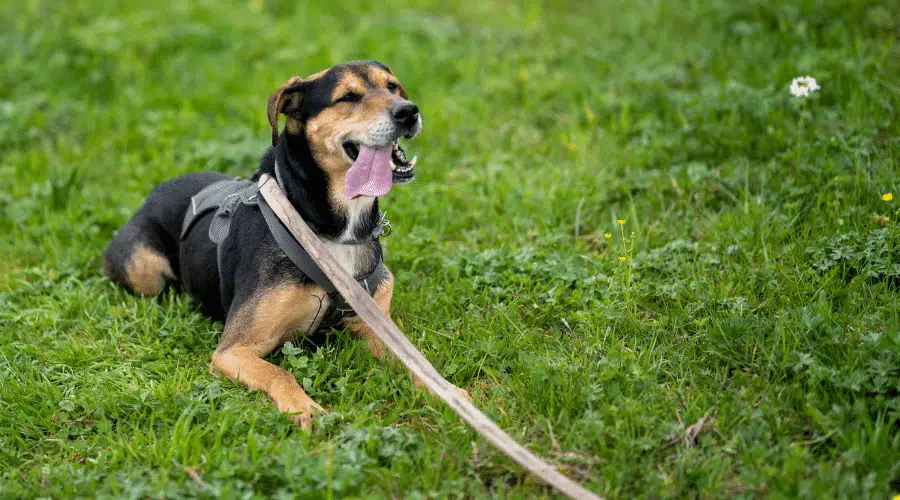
(341,135)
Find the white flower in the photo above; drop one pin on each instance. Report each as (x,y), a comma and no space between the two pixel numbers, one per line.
(802,86)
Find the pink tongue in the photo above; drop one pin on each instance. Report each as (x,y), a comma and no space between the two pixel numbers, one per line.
(370,174)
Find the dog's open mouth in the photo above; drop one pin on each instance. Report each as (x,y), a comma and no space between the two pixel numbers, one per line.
(402,170)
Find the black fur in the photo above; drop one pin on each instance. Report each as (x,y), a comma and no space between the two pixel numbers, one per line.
(252,258)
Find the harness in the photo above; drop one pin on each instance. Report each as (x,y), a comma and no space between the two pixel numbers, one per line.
(228,196)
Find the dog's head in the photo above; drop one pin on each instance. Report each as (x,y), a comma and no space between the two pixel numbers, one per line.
(351,115)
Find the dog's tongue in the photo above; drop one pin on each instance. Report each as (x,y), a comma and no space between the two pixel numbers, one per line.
(370,174)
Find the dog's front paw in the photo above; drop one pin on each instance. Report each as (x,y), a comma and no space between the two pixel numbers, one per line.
(464,393)
(304,418)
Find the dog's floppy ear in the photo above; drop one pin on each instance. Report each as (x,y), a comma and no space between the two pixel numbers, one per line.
(285,100)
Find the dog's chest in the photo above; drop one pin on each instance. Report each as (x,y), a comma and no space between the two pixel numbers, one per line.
(355,259)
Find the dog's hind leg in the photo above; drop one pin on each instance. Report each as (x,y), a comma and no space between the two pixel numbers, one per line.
(143,256)
(136,258)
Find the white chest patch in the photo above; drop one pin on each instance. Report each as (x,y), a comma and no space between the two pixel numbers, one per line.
(356,210)
(355,259)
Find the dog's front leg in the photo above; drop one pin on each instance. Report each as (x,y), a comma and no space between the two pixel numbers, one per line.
(375,346)
(254,331)
(244,365)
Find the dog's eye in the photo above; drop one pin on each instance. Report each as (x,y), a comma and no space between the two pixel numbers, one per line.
(391,86)
(350,97)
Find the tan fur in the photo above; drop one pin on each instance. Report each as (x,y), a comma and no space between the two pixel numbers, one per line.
(147,271)
(359,327)
(293,126)
(265,320)
(243,364)
(260,326)
(380,77)
(337,189)
(327,131)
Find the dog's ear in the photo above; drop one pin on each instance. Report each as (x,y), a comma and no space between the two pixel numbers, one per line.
(285,100)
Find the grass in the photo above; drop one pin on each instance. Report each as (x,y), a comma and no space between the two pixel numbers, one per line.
(758,284)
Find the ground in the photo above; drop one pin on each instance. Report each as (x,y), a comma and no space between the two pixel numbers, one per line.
(759,288)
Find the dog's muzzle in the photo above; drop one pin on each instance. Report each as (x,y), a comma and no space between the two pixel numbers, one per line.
(406,115)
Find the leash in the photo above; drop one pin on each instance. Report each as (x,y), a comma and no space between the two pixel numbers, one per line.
(405,351)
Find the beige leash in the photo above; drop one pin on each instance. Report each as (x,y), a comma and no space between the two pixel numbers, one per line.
(404,350)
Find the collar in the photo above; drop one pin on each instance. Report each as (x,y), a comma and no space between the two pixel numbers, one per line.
(383,227)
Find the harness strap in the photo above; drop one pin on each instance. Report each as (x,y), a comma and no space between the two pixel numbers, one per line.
(226,197)
(294,251)
(211,198)
(301,258)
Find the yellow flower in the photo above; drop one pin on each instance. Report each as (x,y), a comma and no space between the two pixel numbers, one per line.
(607,235)
(621,221)
(622,259)
(887,197)
(896,497)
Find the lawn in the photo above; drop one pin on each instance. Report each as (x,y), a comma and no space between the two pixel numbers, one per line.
(754,280)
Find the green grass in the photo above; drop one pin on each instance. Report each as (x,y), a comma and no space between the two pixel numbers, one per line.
(759,285)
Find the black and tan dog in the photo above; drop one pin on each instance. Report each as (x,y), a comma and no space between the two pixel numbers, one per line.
(339,151)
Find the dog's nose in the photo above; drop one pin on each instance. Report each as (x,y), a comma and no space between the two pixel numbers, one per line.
(405,112)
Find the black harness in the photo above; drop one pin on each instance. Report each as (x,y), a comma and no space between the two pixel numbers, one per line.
(226,197)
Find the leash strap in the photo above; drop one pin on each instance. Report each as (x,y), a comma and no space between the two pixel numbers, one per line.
(405,351)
